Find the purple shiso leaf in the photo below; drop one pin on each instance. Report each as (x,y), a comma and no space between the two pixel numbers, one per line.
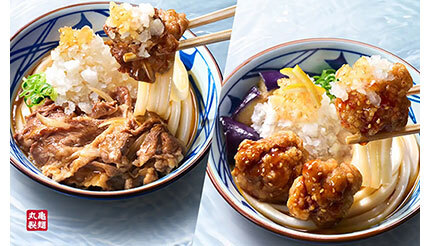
(253,93)
(235,132)
(270,78)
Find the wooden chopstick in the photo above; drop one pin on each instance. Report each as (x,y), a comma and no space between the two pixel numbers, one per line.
(205,39)
(209,38)
(213,17)
(414,90)
(407,130)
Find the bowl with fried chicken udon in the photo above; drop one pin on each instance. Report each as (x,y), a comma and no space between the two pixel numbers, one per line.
(104,105)
(279,154)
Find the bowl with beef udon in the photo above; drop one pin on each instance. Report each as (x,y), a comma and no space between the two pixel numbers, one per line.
(279,155)
(104,105)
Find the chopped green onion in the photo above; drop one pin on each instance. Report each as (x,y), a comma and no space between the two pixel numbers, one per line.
(325,79)
(35,89)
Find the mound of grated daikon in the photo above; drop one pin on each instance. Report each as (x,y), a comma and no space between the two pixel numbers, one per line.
(81,61)
(323,137)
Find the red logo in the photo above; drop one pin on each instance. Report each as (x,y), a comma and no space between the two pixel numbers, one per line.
(37,220)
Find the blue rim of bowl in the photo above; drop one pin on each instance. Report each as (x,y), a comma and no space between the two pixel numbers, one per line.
(311,236)
(64,189)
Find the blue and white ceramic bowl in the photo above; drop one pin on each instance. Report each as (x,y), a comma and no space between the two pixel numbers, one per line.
(313,55)
(36,39)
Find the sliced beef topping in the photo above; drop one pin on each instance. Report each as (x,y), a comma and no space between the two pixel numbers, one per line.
(51,137)
(160,149)
(96,175)
(109,149)
(122,96)
(102,109)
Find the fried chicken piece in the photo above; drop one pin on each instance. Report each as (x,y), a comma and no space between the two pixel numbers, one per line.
(324,192)
(371,96)
(144,39)
(266,168)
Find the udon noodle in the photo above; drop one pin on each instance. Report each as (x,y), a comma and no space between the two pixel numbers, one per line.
(371,205)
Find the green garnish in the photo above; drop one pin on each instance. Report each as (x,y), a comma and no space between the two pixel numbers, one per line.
(327,76)
(35,89)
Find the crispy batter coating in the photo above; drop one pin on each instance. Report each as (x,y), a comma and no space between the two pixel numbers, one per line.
(266,168)
(324,192)
(359,115)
